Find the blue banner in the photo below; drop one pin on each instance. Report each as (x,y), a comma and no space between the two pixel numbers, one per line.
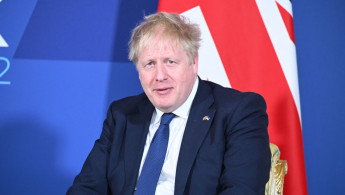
(63,62)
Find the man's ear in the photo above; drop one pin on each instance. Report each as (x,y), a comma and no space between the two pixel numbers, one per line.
(196,63)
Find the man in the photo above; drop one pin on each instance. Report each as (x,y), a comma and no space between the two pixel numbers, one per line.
(215,141)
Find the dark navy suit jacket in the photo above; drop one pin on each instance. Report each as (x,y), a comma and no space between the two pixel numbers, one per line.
(227,154)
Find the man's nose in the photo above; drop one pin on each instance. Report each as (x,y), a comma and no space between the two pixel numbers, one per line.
(161,72)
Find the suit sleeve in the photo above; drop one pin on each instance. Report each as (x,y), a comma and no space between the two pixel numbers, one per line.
(247,156)
(92,178)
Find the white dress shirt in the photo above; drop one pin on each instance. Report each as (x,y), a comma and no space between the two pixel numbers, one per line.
(166,181)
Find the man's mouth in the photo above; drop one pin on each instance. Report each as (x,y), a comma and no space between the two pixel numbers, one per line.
(163,91)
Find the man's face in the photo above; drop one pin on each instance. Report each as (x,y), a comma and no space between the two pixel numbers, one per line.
(166,74)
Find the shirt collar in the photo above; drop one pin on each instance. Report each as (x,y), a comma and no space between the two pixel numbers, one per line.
(183,110)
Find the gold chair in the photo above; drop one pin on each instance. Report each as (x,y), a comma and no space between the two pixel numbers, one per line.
(278,171)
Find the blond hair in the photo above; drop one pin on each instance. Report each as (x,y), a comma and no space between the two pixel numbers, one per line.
(173,26)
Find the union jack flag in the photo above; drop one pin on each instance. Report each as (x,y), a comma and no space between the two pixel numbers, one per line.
(249,45)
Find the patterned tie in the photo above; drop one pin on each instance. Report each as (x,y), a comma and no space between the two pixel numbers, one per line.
(155,158)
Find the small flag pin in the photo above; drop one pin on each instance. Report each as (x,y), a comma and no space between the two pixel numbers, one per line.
(206,118)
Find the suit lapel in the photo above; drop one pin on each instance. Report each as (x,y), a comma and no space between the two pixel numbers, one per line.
(136,132)
(196,129)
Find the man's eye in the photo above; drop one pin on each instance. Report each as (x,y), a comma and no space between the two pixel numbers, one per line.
(150,64)
(170,61)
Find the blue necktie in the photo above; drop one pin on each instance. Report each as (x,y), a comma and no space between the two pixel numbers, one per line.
(155,158)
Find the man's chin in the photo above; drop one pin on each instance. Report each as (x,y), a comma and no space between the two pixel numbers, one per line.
(165,108)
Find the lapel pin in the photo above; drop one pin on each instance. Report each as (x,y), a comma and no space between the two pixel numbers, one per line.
(206,118)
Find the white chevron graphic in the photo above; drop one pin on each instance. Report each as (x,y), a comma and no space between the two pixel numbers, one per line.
(2,41)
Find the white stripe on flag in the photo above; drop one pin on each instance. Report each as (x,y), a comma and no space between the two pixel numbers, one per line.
(284,47)
(210,65)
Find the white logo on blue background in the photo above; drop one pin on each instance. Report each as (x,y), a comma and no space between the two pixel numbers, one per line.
(2,41)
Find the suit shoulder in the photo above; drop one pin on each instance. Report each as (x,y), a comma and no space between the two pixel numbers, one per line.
(224,96)
(128,104)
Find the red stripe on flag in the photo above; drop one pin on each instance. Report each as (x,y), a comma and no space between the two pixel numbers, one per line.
(251,64)
(288,21)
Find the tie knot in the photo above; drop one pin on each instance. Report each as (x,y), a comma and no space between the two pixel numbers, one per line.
(166,118)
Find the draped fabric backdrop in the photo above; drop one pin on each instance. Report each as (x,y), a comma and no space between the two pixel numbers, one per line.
(62,62)
(253,48)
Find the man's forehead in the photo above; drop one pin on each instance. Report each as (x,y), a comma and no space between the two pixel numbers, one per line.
(164,46)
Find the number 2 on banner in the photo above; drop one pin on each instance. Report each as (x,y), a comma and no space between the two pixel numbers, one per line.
(2,72)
